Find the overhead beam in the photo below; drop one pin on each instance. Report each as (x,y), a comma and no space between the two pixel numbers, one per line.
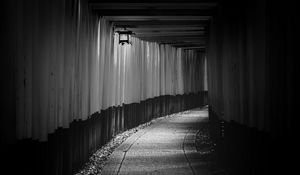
(134,24)
(169,36)
(156,18)
(155,12)
(163,26)
(151,5)
(153,9)
(161,32)
(166,28)
(173,39)
(181,22)
(190,38)
(180,33)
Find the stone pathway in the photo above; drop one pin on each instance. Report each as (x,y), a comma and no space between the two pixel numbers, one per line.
(166,147)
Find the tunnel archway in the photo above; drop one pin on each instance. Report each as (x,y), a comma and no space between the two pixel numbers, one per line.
(69,88)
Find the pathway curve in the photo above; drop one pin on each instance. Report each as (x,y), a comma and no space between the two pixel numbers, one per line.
(166,147)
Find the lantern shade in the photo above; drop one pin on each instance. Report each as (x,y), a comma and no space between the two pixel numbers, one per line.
(124,37)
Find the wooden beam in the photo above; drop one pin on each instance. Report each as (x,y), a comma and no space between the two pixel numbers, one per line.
(166,28)
(153,1)
(155,12)
(174,39)
(162,32)
(190,38)
(156,18)
(162,26)
(180,33)
(182,22)
(151,5)
(156,23)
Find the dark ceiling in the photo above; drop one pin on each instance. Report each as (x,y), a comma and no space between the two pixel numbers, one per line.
(180,23)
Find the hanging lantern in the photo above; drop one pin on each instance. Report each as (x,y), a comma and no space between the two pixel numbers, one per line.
(125,36)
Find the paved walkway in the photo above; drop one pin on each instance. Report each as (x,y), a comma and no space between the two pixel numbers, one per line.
(166,147)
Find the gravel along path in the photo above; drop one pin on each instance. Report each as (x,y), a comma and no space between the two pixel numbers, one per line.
(98,160)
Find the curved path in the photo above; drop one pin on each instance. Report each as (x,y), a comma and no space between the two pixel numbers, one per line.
(166,147)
